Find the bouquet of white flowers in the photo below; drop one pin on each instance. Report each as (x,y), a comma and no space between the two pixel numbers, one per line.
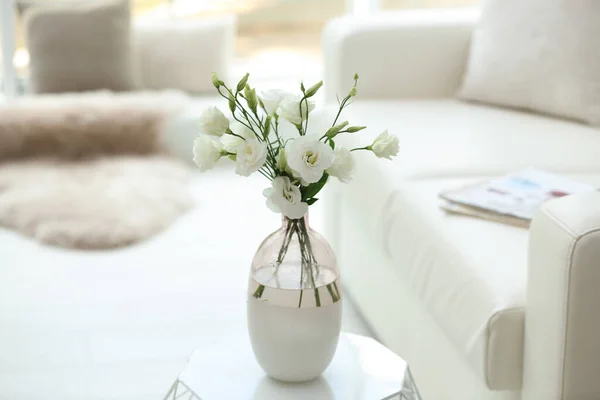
(298,167)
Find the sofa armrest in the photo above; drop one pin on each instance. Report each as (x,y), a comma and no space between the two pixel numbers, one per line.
(562,321)
(419,53)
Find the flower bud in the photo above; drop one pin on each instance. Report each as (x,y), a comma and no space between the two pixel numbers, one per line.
(242,83)
(313,89)
(267,126)
(352,92)
(281,161)
(231,102)
(354,129)
(251,98)
(215,80)
(355,76)
(334,130)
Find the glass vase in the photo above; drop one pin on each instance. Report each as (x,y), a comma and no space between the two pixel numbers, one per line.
(294,303)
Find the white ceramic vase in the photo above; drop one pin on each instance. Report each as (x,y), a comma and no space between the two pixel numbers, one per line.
(294,303)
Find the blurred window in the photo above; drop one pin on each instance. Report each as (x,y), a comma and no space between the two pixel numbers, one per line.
(277,38)
(399,4)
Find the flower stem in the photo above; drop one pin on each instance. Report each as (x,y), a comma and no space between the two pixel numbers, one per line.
(286,242)
(337,291)
(309,268)
(265,174)
(334,296)
(236,135)
(317,298)
(259,291)
(342,105)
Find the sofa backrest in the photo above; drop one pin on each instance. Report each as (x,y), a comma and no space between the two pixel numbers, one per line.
(405,54)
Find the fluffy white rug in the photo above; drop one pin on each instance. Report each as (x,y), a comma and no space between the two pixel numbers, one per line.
(88,174)
(99,204)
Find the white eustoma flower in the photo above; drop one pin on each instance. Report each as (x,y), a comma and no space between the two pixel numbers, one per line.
(285,198)
(250,156)
(289,109)
(272,99)
(231,142)
(343,165)
(385,145)
(213,122)
(308,158)
(207,152)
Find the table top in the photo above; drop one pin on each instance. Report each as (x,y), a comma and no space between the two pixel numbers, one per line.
(362,369)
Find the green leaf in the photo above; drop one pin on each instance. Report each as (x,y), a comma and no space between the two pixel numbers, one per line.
(332,144)
(242,83)
(312,201)
(302,87)
(314,188)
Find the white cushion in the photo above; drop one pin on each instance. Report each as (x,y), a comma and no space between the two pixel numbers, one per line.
(175,54)
(538,55)
(79,47)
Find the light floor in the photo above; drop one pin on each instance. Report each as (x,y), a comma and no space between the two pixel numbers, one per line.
(120,324)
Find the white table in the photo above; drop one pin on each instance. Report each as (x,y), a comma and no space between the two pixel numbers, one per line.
(362,369)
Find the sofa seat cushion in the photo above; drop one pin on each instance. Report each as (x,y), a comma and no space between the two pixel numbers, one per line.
(470,274)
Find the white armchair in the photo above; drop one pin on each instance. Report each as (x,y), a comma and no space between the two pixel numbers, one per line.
(480,310)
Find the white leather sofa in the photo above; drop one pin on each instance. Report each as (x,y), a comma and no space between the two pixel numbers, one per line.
(480,310)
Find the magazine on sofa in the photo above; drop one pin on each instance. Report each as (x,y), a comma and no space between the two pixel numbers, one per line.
(512,199)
